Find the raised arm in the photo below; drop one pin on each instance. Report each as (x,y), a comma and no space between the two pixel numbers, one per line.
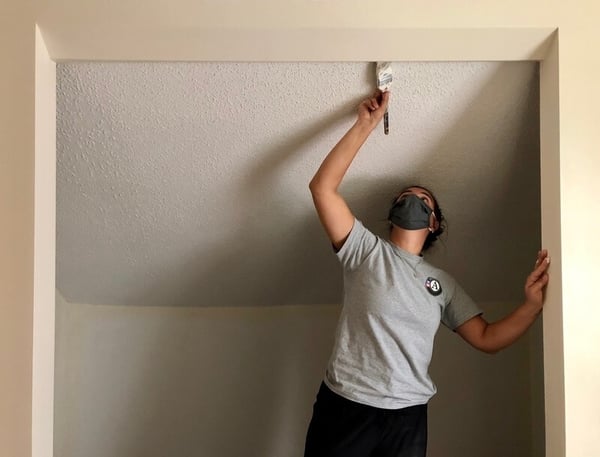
(335,216)
(498,335)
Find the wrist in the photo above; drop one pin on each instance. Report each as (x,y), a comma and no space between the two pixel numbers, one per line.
(365,125)
(532,308)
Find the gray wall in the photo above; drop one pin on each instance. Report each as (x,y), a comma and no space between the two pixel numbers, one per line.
(175,181)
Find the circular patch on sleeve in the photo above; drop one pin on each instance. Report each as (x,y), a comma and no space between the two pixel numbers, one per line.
(433,286)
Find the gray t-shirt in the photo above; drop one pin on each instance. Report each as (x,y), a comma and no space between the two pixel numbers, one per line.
(393,304)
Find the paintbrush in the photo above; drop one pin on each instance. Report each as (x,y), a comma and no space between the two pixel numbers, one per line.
(384,74)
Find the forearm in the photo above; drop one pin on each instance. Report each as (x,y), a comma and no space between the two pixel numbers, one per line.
(336,164)
(498,335)
(501,334)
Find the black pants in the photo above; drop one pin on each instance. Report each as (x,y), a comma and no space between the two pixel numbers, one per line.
(343,428)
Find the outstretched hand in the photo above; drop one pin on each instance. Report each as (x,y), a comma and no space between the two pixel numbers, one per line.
(371,110)
(537,281)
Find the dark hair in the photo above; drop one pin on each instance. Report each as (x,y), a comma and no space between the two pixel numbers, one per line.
(432,236)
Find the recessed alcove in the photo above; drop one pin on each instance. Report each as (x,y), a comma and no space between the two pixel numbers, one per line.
(191,266)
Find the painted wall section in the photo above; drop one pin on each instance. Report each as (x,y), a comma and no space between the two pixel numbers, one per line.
(226,382)
(162,168)
(17,53)
(44,243)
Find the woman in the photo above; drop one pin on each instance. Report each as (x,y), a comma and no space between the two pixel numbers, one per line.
(373,400)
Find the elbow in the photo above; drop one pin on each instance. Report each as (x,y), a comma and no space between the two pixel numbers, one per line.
(316,187)
(489,350)
(489,347)
(484,347)
(486,344)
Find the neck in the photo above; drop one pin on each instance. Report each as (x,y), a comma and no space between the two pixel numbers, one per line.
(409,240)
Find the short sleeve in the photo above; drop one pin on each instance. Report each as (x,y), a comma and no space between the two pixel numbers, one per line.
(357,247)
(459,309)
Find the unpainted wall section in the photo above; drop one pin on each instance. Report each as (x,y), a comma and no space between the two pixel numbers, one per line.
(226,382)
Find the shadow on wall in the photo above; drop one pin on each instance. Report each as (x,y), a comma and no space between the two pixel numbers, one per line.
(493,203)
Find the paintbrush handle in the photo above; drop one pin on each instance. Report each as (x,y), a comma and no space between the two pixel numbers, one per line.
(386,123)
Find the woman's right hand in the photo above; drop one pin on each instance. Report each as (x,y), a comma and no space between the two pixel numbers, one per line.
(371,110)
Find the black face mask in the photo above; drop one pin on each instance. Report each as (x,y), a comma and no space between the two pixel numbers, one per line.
(410,213)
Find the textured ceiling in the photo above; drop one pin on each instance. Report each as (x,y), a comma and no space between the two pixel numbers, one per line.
(187,183)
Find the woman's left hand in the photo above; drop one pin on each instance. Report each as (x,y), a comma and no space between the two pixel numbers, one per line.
(537,280)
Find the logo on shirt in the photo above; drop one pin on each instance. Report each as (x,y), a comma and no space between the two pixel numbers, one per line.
(433,286)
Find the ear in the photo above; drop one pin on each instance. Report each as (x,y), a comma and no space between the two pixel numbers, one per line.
(434,224)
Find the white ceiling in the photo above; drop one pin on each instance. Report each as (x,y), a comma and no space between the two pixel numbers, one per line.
(187,183)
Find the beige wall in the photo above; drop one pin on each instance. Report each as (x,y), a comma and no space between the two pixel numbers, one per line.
(241,381)
(44,252)
(580,165)
(17,51)
(551,227)
(125,29)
